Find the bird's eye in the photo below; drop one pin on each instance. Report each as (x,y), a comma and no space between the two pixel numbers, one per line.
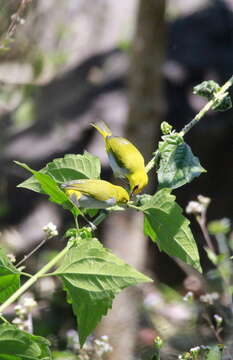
(135,188)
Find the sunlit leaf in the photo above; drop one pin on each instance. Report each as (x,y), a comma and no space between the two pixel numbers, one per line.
(177,165)
(92,276)
(165,225)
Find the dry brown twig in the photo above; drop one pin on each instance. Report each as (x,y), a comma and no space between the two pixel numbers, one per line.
(16,19)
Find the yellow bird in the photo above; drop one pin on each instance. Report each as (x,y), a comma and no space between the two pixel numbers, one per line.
(95,194)
(125,159)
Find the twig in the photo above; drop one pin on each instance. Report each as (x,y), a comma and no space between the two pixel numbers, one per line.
(152,162)
(4,319)
(207,107)
(212,327)
(35,277)
(195,120)
(31,252)
(201,219)
(15,20)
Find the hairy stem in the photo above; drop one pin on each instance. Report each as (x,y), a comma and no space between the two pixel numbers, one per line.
(34,278)
(207,107)
(152,163)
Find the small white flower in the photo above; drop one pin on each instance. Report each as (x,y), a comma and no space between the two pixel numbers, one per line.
(98,342)
(204,348)
(188,297)
(20,310)
(104,338)
(209,298)
(152,300)
(102,347)
(194,207)
(11,257)
(195,350)
(50,230)
(29,304)
(218,319)
(203,200)
(17,321)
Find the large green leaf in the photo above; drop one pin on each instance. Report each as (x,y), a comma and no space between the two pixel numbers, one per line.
(16,344)
(51,188)
(92,276)
(9,277)
(165,225)
(177,165)
(71,167)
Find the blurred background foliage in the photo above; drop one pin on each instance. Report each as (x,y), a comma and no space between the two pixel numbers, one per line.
(73,62)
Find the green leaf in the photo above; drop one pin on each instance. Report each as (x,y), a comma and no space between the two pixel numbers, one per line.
(16,344)
(210,90)
(9,277)
(50,187)
(214,353)
(165,225)
(71,167)
(92,276)
(177,165)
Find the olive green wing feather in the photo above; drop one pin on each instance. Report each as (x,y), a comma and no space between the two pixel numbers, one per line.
(126,155)
(99,190)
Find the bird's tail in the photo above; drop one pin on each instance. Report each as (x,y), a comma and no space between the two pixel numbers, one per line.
(103,129)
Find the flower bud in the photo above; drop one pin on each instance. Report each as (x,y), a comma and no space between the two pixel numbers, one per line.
(50,230)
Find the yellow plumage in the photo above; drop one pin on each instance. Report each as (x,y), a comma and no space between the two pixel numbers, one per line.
(99,194)
(125,159)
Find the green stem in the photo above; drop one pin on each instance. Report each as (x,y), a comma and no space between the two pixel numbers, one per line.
(133,206)
(4,319)
(25,274)
(76,222)
(207,107)
(34,278)
(31,252)
(103,214)
(152,162)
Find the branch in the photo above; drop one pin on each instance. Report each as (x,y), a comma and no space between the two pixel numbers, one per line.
(218,96)
(15,20)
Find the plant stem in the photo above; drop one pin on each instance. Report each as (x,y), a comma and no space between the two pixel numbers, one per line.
(25,274)
(202,223)
(34,278)
(195,120)
(103,214)
(207,107)
(4,319)
(152,162)
(76,222)
(212,327)
(31,252)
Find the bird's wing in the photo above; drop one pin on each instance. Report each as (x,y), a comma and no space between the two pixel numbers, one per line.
(94,188)
(126,155)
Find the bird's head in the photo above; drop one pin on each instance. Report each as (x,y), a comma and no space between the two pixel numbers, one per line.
(122,195)
(137,181)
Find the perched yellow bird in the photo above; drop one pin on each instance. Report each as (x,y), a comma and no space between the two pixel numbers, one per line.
(125,159)
(95,194)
